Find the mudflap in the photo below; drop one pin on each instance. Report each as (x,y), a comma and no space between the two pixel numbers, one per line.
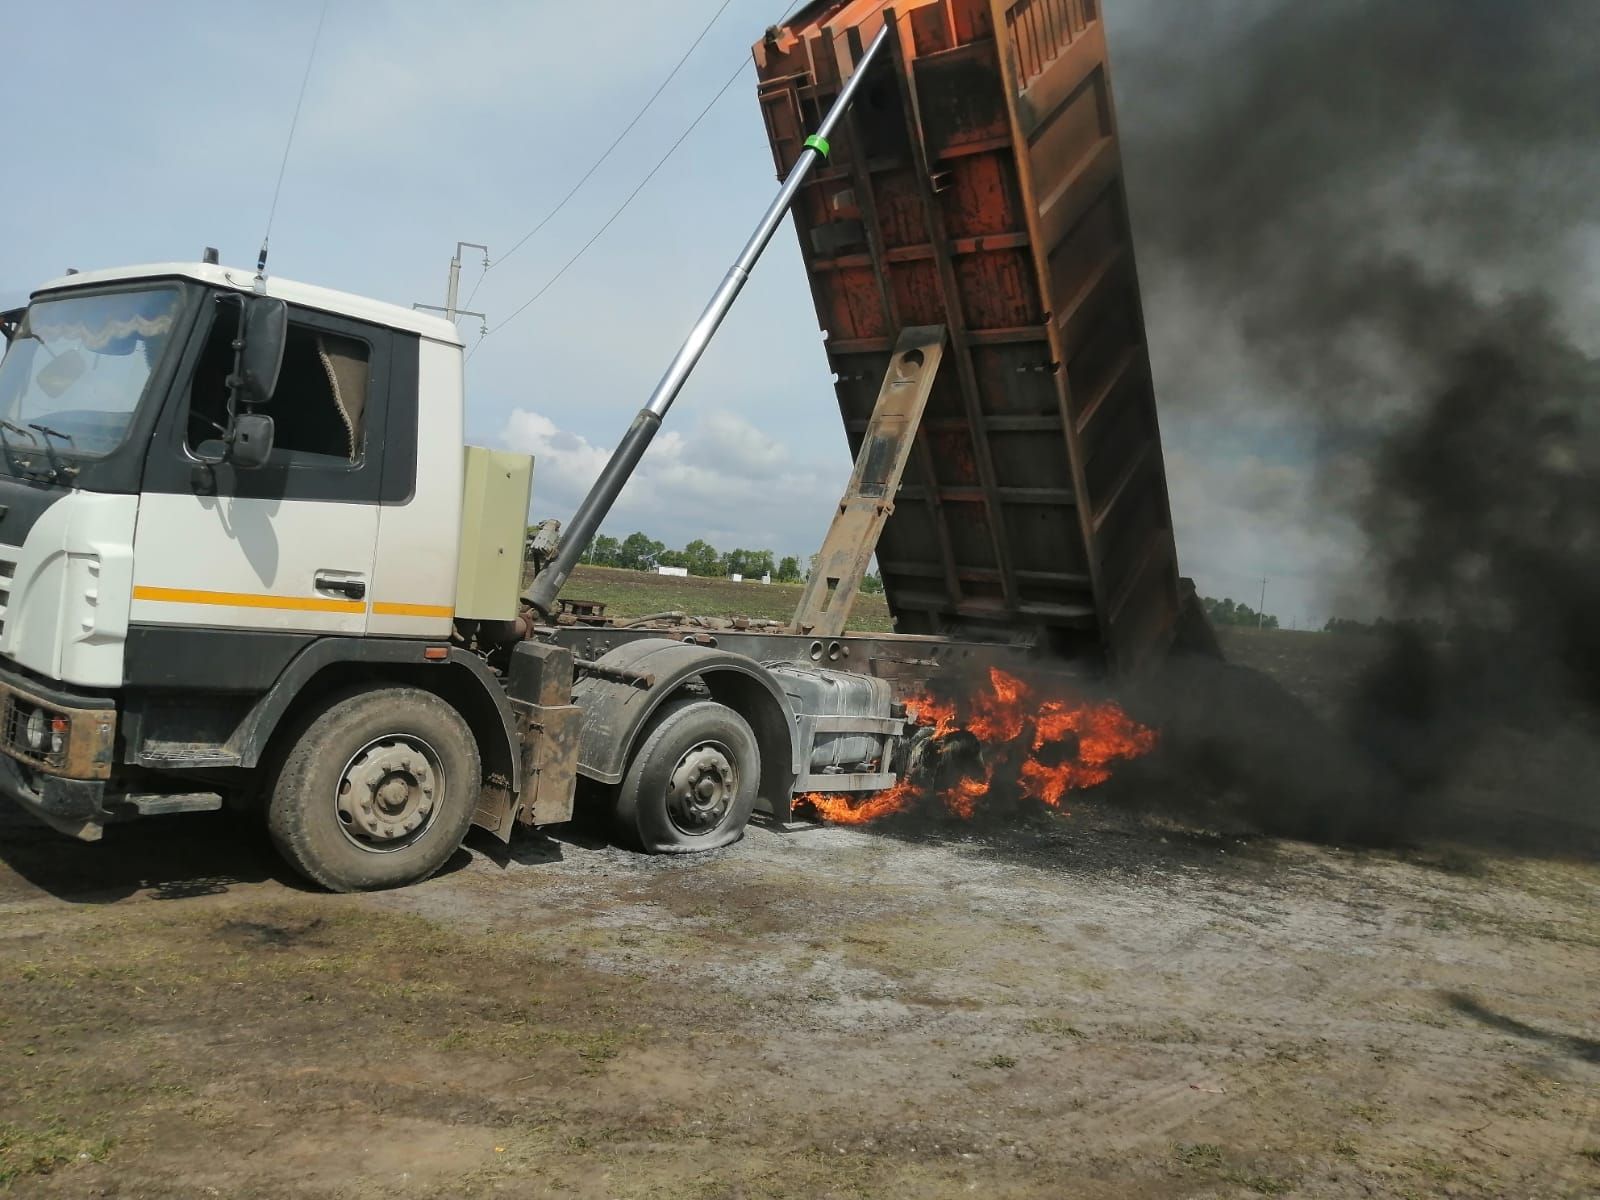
(550,739)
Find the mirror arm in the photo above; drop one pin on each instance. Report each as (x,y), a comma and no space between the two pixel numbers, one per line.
(235,380)
(258,348)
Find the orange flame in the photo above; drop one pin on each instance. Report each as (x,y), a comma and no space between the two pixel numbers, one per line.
(1022,736)
(863,810)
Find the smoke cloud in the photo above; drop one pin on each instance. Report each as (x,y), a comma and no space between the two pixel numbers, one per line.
(1369,233)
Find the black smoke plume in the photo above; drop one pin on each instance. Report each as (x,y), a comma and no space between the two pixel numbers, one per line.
(1394,207)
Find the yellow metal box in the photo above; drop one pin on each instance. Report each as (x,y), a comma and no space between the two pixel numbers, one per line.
(494,528)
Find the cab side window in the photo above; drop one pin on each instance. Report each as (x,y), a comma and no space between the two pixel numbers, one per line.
(319,407)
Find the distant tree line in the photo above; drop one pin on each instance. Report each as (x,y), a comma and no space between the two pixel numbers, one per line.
(641,552)
(1227,612)
(1426,628)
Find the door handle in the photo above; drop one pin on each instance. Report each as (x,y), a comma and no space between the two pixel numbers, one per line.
(352,589)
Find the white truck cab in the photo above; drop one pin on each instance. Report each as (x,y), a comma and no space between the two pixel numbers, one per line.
(125,549)
(170,598)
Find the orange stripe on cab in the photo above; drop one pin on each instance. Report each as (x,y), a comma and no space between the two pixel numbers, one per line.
(247,600)
(159,595)
(413,610)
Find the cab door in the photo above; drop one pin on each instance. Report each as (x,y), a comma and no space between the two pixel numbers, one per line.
(287,547)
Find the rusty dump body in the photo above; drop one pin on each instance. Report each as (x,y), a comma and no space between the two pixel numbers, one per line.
(978,185)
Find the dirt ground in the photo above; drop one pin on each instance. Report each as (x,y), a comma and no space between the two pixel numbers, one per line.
(1106,1004)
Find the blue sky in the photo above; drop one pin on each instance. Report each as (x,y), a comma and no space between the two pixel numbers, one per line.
(144,133)
(153,131)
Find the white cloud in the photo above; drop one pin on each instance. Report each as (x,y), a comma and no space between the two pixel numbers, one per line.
(1241,518)
(723,480)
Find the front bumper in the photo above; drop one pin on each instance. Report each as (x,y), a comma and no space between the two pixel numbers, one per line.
(75,807)
(64,781)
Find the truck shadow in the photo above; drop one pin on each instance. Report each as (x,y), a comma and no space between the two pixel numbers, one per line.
(173,858)
(178,857)
(1582,1048)
(584,835)
(527,848)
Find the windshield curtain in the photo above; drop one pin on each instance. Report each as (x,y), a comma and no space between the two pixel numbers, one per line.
(78,366)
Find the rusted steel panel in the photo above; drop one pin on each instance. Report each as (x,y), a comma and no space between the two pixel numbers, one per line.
(550,739)
(978,185)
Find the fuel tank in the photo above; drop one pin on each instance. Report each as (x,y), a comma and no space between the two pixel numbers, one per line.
(819,692)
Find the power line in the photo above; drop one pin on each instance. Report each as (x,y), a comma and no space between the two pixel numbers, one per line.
(294,124)
(787,12)
(610,150)
(622,208)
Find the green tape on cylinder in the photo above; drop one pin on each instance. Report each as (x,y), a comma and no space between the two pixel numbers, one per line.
(820,144)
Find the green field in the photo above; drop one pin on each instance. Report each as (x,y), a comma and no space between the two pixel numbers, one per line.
(637,594)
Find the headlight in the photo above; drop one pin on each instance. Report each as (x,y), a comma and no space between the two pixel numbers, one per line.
(37,731)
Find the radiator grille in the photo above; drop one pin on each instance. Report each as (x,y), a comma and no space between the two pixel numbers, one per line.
(54,726)
(8,570)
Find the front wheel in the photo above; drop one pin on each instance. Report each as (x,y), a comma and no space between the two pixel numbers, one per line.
(377,791)
(692,784)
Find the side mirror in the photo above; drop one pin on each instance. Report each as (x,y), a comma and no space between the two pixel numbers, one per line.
(251,443)
(10,322)
(263,330)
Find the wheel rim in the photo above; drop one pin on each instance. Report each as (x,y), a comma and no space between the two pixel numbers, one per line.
(702,788)
(389,794)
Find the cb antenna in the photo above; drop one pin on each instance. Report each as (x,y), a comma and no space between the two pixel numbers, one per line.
(266,238)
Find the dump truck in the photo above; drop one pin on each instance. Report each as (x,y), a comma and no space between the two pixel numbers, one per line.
(245,557)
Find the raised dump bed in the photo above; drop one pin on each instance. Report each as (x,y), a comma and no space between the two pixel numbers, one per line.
(978,185)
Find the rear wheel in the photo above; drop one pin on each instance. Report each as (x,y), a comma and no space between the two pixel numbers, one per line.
(377,791)
(692,783)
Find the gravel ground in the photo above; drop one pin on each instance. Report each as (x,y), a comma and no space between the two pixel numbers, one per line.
(1113,1003)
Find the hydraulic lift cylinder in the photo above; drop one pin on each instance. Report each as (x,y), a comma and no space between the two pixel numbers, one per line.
(597,504)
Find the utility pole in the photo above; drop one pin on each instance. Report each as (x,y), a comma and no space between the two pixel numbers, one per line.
(1261,613)
(453,290)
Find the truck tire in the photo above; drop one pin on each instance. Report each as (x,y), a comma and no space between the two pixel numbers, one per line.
(692,782)
(377,790)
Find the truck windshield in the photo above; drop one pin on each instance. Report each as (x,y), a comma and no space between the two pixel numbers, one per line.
(78,366)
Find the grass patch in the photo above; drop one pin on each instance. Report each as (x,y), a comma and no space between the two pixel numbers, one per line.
(598,1047)
(1261,1185)
(1055,1027)
(1298,1053)
(1592,1153)
(28,1152)
(1432,1168)
(1001,1062)
(145,977)
(1199,1154)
